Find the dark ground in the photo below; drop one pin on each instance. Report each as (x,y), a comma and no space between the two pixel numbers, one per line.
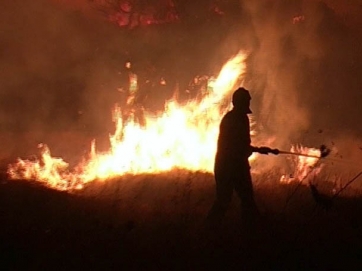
(154,222)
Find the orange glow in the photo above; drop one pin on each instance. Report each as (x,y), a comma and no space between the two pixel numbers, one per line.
(304,166)
(183,136)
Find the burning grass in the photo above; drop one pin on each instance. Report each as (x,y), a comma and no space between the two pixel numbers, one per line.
(183,136)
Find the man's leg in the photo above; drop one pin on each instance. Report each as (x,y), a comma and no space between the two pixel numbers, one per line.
(244,188)
(224,190)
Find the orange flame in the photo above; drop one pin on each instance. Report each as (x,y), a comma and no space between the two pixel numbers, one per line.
(304,166)
(183,136)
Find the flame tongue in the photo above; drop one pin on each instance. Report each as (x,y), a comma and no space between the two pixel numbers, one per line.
(304,166)
(183,136)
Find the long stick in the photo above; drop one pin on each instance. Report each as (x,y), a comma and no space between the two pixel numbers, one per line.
(323,150)
(299,154)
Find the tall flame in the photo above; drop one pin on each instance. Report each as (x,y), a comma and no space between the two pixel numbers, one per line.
(183,136)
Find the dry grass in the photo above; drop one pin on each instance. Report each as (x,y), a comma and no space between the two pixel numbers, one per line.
(157,222)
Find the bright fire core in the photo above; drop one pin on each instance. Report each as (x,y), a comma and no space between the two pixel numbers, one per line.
(183,136)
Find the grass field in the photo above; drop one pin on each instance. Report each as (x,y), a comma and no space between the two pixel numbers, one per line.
(156,222)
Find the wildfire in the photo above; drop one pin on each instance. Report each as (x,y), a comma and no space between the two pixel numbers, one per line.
(183,136)
(304,166)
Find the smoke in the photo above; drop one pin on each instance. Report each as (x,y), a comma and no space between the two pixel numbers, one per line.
(52,65)
(303,70)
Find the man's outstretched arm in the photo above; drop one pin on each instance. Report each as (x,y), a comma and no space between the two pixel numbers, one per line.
(264,150)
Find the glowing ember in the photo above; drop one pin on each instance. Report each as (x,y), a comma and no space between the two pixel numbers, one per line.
(304,166)
(183,136)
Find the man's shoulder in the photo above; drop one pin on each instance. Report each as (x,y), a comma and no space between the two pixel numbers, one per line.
(227,117)
(233,120)
(234,116)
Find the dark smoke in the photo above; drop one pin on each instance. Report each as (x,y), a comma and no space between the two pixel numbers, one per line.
(304,68)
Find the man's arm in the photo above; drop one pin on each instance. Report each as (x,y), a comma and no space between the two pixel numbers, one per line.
(264,150)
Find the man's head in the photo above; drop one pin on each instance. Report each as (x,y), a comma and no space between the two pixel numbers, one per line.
(241,100)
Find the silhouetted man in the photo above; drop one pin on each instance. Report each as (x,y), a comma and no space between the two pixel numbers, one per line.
(232,169)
